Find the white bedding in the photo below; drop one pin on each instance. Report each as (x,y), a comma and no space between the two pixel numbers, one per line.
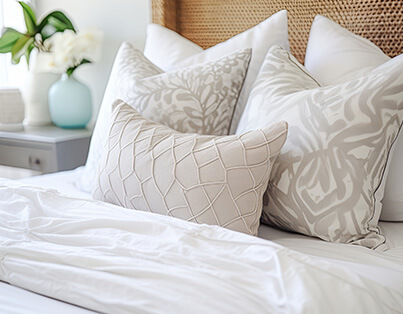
(11,297)
(67,248)
(63,181)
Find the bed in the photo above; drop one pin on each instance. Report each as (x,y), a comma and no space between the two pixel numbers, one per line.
(62,250)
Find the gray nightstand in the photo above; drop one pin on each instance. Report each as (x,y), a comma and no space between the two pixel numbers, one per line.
(47,148)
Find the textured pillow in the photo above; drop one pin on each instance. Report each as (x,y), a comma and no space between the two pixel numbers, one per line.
(260,38)
(335,55)
(324,182)
(203,179)
(197,99)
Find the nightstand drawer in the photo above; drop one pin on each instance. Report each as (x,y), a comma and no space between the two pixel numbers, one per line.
(45,148)
(37,156)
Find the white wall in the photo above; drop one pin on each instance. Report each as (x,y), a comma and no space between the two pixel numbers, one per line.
(119,20)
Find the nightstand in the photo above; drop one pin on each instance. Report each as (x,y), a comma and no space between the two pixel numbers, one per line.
(46,148)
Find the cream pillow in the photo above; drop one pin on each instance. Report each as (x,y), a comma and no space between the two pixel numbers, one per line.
(199,99)
(325,181)
(160,42)
(204,179)
(335,55)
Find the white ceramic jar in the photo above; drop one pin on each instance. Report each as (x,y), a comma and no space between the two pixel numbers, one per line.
(11,110)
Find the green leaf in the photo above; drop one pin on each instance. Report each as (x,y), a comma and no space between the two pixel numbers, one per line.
(20,48)
(9,39)
(70,71)
(29,17)
(84,61)
(56,21)
(28,52)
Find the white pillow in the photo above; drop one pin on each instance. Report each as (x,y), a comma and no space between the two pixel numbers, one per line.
(164,47)
(335,55)
(274,30)
(198,99)
(217,180)
(325,181)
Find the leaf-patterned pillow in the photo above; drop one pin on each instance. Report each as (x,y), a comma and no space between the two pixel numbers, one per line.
(199,99)
(326,180)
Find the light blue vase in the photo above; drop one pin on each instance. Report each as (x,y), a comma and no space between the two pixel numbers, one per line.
(70,103)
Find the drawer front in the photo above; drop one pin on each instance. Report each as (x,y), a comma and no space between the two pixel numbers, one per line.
(36,157)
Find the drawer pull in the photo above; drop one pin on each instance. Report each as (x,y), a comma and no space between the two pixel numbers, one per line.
(34,161)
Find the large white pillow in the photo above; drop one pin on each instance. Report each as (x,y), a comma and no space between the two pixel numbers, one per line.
(197,99)
(325,181)
(165,48)
(171,51)
(217,180)
(336,55)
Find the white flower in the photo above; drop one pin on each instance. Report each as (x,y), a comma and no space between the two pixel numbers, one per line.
(88,45)
(69,49)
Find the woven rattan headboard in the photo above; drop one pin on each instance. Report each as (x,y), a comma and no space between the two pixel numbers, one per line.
(208,22)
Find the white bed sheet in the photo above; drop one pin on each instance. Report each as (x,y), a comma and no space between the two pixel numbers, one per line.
(20,301)
(63,182)
(371,267)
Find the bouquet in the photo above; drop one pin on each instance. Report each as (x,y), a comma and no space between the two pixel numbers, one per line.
(54,34)
(68,50)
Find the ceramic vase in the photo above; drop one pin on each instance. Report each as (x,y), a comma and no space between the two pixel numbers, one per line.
(35,91)
(70,103)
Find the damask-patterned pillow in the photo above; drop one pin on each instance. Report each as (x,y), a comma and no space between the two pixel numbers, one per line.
(324,182)
(335,55)
(217,180)
(199,99)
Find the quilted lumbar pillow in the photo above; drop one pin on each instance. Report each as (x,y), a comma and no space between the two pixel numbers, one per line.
(199,99)
(325,181)
(217,180)
(335,55)
(171,51)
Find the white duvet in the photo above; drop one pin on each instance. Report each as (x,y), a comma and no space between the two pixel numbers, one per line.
(109,259)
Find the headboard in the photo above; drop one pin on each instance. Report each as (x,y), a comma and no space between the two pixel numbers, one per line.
(208,22)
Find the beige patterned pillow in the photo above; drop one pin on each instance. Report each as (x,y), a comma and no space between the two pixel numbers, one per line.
(325,181)
(217,180)
(199,99)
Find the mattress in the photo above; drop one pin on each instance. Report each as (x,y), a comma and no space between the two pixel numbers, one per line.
(319,259)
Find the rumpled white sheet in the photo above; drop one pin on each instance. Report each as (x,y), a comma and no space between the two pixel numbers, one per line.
(115,260)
